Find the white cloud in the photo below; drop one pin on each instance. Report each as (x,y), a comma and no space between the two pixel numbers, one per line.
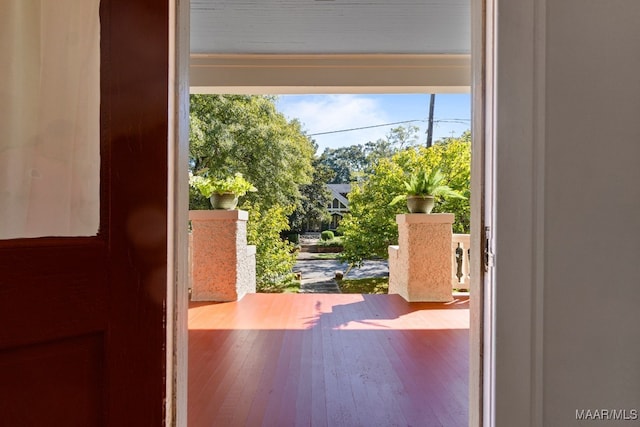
(328,113)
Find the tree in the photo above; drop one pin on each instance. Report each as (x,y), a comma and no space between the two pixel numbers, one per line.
(403,137)
(370,227)
(275,257)
(245,134)
(312,206)
(344,162)
(453,157)
(349,163)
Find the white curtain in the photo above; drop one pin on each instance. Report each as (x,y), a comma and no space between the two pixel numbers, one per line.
(49,118)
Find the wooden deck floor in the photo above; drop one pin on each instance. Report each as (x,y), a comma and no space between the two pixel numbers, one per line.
(328,360)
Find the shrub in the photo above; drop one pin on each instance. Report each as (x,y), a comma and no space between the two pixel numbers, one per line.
(327,235)
(275,257)
(336,241)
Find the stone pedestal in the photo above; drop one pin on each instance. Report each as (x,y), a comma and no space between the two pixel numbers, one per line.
(223,266)
(420,266)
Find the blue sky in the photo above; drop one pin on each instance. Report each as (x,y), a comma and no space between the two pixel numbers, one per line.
(326,113)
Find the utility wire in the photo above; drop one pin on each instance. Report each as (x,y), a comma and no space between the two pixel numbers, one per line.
(366,127)
(459,121)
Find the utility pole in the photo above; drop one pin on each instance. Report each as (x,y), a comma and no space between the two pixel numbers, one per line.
(432,103)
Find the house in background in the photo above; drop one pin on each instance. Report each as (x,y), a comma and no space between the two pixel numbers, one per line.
(339,204)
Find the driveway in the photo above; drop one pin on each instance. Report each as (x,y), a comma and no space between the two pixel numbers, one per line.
(323,270)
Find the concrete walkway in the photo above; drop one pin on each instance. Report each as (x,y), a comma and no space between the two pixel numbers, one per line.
(318,274)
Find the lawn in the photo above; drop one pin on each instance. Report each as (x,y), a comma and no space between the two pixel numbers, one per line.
(371,285)
(326,256)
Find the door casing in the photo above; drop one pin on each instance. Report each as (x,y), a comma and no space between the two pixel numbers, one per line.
(482,167)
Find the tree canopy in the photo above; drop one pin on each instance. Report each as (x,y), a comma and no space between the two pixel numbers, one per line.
(344,162)
(348,163)
(370,226)
(246,134)
(312,206)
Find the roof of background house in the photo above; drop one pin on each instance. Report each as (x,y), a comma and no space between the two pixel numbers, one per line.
(340,191)
(343,189)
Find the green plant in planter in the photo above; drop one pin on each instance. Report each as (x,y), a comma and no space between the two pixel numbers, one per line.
(223,192)
(422,189)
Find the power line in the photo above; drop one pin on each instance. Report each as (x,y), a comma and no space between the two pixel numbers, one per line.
(366,127)
(458,121)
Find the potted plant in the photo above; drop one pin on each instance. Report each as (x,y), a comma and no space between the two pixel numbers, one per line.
(422,189)
(223,193)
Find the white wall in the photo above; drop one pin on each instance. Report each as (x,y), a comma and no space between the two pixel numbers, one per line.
(568,210)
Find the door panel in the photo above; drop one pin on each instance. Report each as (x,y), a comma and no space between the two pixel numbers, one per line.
(37,374)
(82,338)
(63,294)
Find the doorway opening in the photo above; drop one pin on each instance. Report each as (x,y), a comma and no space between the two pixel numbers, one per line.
(292,73)
(405,144)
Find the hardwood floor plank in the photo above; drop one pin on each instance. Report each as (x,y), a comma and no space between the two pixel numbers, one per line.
(328,360)
(268,314)
(318,365)
(374,382)
(279,401)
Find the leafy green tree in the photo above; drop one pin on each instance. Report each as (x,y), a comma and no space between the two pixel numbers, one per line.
(344,162)
(402,137)
(349,163)
(245,134)
(312,206)
(274,256)
(370,227)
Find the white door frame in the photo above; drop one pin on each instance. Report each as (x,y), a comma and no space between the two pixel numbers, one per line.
(482,202)
(383,68)
(177,219)
(515,96)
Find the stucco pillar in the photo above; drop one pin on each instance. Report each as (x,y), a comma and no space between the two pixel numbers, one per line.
(420,267)
(223,266)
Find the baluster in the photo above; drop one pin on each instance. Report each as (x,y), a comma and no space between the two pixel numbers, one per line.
(454,262)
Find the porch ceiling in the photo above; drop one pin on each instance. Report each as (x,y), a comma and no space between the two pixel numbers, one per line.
(329,46)
(330,26)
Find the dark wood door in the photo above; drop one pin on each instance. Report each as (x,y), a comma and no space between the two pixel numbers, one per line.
(82,341)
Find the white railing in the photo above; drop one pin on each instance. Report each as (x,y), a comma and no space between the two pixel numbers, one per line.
(460,256)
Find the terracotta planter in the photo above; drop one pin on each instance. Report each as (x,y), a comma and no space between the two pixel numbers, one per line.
(420,204)
(226,201)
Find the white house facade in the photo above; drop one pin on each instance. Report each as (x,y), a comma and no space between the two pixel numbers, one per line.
(339,204)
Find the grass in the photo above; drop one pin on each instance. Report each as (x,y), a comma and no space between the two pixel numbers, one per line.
(287,286)
(292,289)
(326,256)
(371,285)
(289,289)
